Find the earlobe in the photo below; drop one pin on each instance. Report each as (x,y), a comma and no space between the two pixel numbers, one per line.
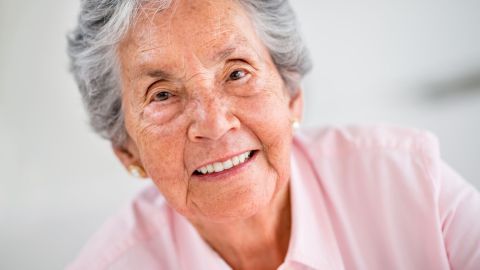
(128,156)
(123,154)
(296,105)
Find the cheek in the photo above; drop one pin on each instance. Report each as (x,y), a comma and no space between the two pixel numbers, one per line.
(161,149)
(267,116)
(156,113)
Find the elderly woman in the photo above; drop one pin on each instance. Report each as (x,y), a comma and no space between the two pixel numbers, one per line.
(203,98)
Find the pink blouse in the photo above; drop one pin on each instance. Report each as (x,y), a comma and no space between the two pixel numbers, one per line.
(362,198)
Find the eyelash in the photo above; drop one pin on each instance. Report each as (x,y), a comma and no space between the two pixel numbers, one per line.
(167,95)
(245,73)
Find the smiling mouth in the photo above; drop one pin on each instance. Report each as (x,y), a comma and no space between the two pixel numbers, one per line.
(225,165)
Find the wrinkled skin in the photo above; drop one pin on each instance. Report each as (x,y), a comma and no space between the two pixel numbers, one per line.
(199,86)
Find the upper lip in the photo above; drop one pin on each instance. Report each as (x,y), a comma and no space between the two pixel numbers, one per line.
(222,159)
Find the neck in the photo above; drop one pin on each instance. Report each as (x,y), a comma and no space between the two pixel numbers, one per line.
(258,242)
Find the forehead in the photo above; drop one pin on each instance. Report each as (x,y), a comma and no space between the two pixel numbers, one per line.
(200,27)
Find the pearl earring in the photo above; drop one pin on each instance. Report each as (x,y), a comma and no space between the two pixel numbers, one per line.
(295,125)
(136,171)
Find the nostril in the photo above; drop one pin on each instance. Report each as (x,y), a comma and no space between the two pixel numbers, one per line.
(212,124)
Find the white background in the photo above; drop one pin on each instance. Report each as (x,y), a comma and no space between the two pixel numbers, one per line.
(415,63)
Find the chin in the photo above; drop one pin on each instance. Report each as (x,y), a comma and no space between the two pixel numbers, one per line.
(241,206)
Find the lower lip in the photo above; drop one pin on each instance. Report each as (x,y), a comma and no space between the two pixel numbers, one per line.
(229,172)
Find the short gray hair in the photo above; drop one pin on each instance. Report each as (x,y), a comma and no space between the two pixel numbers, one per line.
(92,47)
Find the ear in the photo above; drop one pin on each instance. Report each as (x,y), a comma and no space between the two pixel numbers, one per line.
(296,105)
(128,154)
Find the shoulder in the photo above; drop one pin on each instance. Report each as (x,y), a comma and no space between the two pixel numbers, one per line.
(340,140)
(372,158)
(144,219)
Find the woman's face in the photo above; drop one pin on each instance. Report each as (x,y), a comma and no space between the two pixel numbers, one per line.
(200,92)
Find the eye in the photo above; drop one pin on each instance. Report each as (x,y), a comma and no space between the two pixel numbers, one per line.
(162,96)
(237,74)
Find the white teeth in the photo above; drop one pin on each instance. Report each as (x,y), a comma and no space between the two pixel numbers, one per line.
(228,164)
(210,168)
(235,161)
(220,166)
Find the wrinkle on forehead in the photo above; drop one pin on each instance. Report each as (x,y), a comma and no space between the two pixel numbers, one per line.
(209,16)
(188,32)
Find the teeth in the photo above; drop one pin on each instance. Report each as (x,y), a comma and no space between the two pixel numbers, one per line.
(218,166)
(227,164)
(235,161)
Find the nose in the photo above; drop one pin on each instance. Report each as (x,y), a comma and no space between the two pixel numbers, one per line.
(212,118)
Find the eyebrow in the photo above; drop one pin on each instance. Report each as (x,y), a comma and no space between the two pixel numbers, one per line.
(218,57)
(157,73)
(223,54)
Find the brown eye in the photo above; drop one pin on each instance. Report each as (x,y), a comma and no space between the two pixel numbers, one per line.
(161,96)
(237,74)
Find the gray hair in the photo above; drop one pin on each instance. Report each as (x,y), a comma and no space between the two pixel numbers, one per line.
(92,47)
